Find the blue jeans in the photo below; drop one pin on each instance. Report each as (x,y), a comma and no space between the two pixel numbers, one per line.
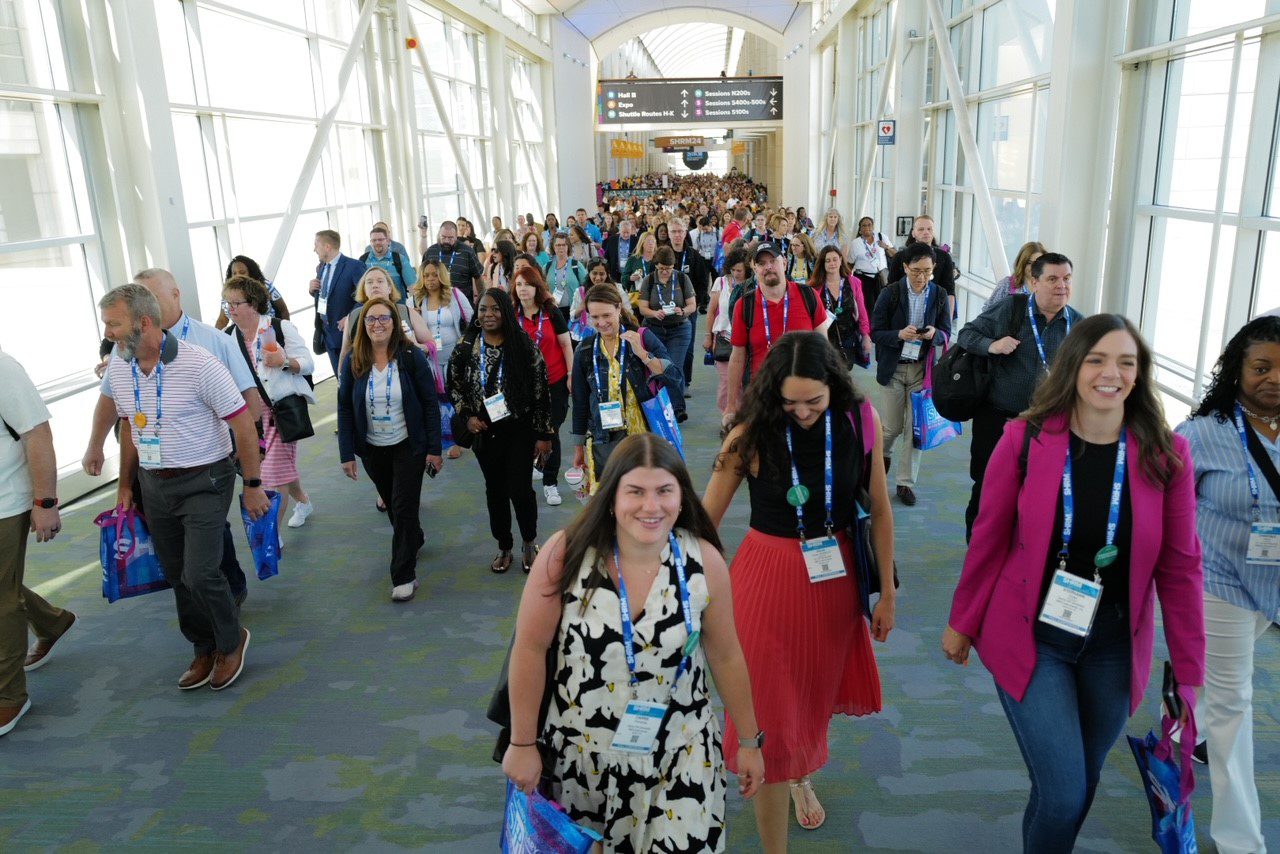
(1075,708)
(688,351)
(676,339)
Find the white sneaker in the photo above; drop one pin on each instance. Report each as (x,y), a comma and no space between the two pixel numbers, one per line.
(300,514)
(537,473)
(553,495)
(404,592)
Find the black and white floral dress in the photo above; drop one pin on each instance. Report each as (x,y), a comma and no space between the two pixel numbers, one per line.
(673,799)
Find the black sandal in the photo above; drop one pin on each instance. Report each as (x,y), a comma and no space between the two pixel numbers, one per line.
(501,563)
(381,508)
(530,555)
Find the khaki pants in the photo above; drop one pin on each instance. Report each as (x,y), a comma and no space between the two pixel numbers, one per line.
(20,607)
(895,418)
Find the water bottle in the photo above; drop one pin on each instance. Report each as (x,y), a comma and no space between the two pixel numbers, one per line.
(708,358)
(269,339)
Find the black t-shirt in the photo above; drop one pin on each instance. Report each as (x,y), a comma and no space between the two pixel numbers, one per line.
(1092,471)
(770,512)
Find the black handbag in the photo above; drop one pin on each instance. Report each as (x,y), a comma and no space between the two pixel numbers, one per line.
(462,435)
(319,342)
(860,531)
(499,711)
(292,418)
(721,347)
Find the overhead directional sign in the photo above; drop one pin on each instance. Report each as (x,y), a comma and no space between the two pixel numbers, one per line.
(711,100)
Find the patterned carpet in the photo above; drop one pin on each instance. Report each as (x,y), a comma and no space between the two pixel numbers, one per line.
(359,724)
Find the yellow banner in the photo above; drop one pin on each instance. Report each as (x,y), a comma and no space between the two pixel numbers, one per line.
(624,149)
(739,149)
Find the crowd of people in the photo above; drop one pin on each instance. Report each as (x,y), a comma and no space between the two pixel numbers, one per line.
(1085,507)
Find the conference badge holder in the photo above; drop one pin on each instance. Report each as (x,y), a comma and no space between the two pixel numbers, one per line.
(1264,544)
(911,351)
(638,730)
(149,452)
(611,415)
(1072,603)
(496,406)
(822,559)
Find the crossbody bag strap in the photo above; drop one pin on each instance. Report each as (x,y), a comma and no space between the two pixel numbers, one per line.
(1263,459)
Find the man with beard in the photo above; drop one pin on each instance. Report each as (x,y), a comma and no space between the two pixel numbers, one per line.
(221,347)
(764,314)
(461,261)
(181,455)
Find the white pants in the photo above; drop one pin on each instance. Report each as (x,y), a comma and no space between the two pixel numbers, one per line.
(1224,716)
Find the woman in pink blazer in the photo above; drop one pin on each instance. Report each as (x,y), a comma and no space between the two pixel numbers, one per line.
(1094,512)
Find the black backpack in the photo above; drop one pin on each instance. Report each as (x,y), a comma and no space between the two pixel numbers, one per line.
(395,261)
(961,379)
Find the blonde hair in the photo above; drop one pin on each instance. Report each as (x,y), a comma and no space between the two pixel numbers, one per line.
(419,291)
(360,294)
(803,240)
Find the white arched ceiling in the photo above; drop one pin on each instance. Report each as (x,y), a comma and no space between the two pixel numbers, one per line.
(609,23)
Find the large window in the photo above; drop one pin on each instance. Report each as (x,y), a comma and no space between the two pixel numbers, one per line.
(1207,247)
(242,144)
(1002,52)
(875,32)
(528,149)
(459,67)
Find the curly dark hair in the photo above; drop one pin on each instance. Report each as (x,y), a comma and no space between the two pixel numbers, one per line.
(1224,385)
(761,416)
(255,272)
(518,351)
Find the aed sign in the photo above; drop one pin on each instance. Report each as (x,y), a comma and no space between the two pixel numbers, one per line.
(887,132)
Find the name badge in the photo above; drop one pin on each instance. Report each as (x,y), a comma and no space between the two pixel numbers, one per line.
(669,308)
(558,295)
(382,423)
(911,351)
(439,343)
(1264,544)
(638,730)
(611,415)
(322,307)
(822,559)
(1071,603)
(149,452)
(496,406)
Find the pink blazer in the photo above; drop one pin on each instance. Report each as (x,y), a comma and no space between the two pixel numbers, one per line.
(996,600)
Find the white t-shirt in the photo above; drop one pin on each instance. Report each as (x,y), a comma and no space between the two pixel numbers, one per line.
(23,409)
(723,286)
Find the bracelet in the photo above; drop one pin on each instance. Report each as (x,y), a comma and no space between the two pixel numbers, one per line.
(530,744)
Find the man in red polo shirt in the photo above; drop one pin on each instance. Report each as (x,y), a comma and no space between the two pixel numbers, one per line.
(778,306)
(736,227)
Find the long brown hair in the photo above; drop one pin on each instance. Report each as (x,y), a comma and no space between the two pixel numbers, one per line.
(362,345)
(1022,264)
(595,528)
(1143,413)
(541,294)
(819,278)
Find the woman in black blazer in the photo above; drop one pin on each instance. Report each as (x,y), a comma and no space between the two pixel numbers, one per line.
(389,416)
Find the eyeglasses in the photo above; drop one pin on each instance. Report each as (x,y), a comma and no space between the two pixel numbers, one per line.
(377,320)
(235,303)
(919,274)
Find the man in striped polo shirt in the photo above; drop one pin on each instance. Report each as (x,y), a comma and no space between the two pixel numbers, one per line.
(175,402)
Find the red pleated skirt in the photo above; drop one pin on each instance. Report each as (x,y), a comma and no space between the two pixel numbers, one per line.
(808,652)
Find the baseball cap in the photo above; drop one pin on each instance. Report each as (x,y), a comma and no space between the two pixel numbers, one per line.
(765,248)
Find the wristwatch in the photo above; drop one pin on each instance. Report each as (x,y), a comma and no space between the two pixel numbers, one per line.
(757,742)
(253,483)
(45,503)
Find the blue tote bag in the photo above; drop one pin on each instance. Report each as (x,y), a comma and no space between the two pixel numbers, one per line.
(531,824)
(661,417)
(264,537)
(129,563)
(929,429)
(1168,779)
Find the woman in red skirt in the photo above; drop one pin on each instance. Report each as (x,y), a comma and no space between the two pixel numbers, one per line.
(798,442)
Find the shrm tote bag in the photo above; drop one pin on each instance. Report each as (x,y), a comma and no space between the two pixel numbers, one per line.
(929,429)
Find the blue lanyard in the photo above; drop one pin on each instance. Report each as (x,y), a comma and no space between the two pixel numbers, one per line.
(1238,418)
(871,250)
(438,310)
(372,407)
(827,478)
(561,272)
(764,310)
(602,385)
(137,389)
(186,328)
(836,305)
(537,320)
(448,265)
(671,300)
(484,377)
(628,631)
(1068,503)
(1035,330)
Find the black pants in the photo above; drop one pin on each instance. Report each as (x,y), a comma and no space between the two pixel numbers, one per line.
(230,566)
(870,290)
(688,356)
(397,473)
(187,516)
(505,452)
(988,427)
(559,411)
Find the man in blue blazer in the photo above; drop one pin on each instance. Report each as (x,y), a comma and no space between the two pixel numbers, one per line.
(335,285)
(910,321)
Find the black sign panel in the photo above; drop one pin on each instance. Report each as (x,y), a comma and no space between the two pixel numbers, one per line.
(688,101)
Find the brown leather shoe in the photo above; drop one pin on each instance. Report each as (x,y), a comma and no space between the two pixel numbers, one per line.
(10,715)
(227,665)
(907,496)
(38,655)
(197,675)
